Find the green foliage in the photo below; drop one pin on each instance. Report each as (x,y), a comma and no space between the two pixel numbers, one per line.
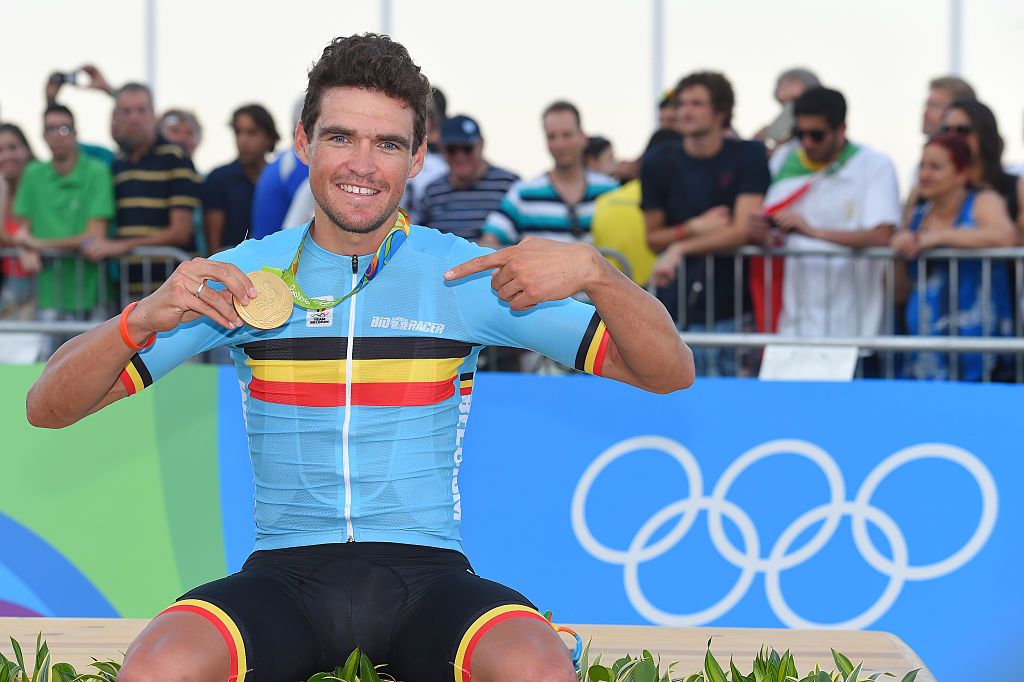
(768,666)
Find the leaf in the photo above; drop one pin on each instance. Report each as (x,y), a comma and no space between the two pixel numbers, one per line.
(599,673)
(17,653)
(712,671)
(367,673)
(43,672)
(842,663)
(348,672)
(737,676)
(854,675)
(62,672)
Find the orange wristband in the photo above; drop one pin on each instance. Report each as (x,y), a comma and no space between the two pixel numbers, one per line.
(123,327)
(681,232)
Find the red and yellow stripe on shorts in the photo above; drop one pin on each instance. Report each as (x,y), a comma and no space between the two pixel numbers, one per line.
(480,627)
(227,629)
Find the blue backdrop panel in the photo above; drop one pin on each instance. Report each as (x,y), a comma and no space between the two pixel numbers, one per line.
(880,505)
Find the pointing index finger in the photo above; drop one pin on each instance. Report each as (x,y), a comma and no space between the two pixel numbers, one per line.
(480,264)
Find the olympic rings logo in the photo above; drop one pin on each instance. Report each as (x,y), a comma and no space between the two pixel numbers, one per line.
(750,559)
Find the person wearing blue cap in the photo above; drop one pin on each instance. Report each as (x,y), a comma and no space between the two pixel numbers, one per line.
(460,201)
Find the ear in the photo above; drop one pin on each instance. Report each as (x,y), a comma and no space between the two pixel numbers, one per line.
(841,129)
(417,159)
(302,149)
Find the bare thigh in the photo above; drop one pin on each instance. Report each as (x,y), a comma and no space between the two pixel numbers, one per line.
(177,646)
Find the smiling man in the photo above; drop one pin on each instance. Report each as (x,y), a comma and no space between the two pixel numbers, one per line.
(356,403)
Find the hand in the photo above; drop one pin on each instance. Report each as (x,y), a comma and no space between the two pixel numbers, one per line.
(666,268)
(97,81)
(31,262)
(175,302)
(536,270)
(929,239)
(906,244)
(24,239)
(791,221)
(100,249)
(712,219)
(52,89)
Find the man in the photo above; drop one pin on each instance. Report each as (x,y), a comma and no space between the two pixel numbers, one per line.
(181,128)
(697,198)
(460,202)
(776,135)
(356,412)
(229,190)
(435,165)
(942,92)
(282,186)
(64,204)
(155,186)
(836,195)
(560,203)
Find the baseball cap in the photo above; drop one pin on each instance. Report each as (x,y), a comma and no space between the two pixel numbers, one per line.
(460,130)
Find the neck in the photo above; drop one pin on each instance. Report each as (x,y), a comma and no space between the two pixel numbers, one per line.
(948,205)
(142,149)
(332,238)
(65,165)
(840,146)
(252,169)
(703,145)
(978,175)
(571,173)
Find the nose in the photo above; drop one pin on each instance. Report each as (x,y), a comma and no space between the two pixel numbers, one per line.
(362,162)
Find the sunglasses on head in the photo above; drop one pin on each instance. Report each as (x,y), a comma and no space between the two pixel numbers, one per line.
(963,129)
(815,135)
(454,149)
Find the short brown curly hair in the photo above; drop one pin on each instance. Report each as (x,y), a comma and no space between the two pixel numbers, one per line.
(373,62)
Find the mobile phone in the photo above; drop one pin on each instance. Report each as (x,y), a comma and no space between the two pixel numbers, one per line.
(58,78)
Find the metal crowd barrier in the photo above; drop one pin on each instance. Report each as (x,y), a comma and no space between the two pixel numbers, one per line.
(896,334)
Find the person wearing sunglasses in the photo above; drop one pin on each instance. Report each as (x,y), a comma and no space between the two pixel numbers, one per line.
(830,193)
(64,204)
(976,123)
(460,201)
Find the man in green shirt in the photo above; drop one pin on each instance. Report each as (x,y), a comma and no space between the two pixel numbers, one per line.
(61,205)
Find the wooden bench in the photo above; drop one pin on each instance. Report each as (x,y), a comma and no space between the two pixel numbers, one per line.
(78,640)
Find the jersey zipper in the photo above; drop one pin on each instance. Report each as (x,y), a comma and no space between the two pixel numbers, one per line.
(348,403)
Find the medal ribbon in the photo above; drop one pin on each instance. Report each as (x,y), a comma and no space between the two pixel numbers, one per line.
(385,252)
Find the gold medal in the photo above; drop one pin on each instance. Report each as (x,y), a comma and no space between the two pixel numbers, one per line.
(273,303)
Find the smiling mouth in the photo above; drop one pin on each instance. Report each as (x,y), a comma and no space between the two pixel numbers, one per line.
(356,189)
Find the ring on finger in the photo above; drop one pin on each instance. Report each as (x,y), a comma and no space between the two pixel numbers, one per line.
(201,287)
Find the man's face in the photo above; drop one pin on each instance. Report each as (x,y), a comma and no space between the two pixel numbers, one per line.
(252,142)
(566,141)
(59,133)
(820,142)
(183,133)
(133,122)
(935,106)
(696,115)
(360,156)
(464,160)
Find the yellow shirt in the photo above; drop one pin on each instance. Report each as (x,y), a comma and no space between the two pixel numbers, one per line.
(618,224)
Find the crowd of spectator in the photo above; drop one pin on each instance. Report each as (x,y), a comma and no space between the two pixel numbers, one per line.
(672,219)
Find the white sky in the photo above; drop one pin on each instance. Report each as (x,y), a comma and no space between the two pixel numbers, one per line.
(503,62)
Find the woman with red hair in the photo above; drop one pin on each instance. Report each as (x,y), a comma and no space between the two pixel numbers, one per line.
(954,214)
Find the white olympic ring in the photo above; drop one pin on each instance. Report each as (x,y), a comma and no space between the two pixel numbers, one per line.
(750,562)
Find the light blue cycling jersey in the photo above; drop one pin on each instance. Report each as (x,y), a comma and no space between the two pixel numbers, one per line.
(356,414)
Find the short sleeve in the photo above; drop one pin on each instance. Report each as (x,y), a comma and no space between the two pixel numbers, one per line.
(101,192)
(174,347)
(881,196)
(503,223)
(568,331)
(184,184)
(653,183)
(25,199)
(754,176)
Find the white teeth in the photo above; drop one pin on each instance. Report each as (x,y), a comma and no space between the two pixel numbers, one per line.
(355,189)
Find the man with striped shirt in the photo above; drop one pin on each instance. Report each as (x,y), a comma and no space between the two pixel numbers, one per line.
(460,201)
(560,203)
(156,190)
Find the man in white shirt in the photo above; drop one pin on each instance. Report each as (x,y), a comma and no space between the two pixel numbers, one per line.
(830,194)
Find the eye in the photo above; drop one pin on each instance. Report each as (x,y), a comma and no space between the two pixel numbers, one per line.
(389,146)
(340,139)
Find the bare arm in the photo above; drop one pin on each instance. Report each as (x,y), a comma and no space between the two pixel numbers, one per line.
(732,235)
(178,232)
(645,349)
(82,376)
(993,227)
(94,229)
(213,221)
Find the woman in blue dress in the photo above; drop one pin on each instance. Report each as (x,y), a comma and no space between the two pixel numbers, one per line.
(954,214)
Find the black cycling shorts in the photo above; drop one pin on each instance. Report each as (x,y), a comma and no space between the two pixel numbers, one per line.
(290,613)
